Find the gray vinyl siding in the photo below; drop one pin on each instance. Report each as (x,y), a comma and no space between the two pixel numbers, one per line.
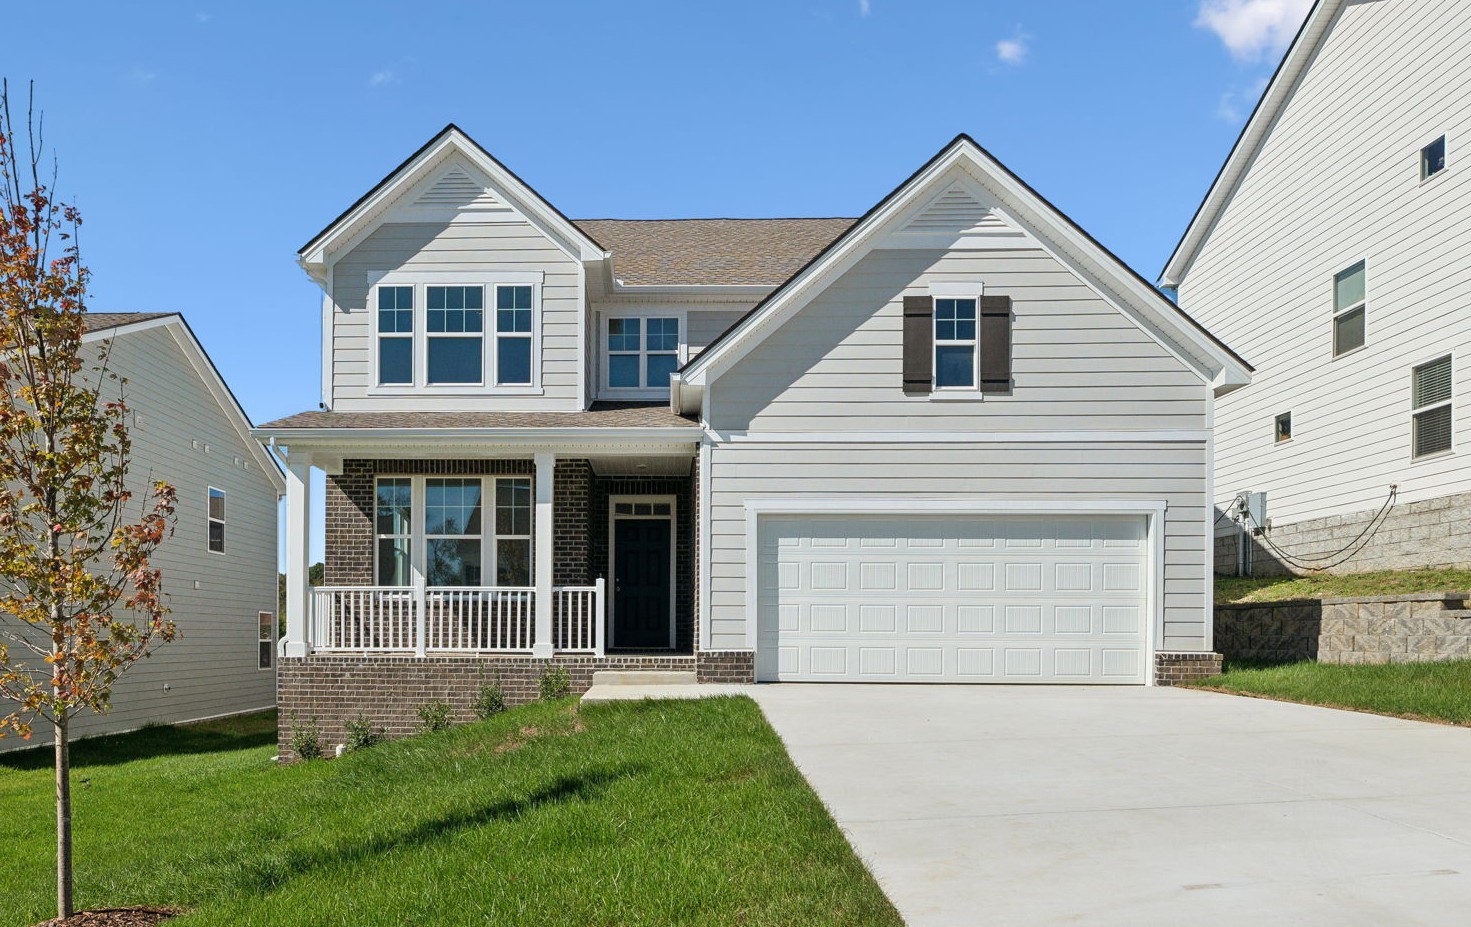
(211,667)
(705,325)
(1079,365)
(1335,182)
(473,248)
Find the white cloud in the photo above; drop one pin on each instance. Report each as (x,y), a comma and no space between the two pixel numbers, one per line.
(1234,105)
(1013,50)
(383,78)
(1253,28)
(141,75)
(865,7)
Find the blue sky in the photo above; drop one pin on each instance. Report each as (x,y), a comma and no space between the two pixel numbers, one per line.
(205,142)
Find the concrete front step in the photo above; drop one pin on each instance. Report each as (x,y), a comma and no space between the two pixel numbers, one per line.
(624,692)
(643,678)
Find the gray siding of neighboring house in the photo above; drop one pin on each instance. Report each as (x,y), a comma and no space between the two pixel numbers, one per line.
(469,248)
(1079,365)
(210,669)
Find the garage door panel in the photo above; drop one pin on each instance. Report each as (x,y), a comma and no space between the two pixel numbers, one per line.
(1001,599)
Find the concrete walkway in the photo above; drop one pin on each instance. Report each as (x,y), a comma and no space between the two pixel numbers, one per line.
(1014,806)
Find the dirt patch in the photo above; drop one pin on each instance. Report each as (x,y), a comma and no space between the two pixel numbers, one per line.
(114,917)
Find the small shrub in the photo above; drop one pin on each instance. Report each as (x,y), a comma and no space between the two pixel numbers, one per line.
(306,739)
(361,734)
(434,716)
(491,701)
(555,682)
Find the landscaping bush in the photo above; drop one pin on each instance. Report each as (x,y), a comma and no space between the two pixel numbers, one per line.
(434,716)
(306,739)
(555,683)
(490,701)
(361,734)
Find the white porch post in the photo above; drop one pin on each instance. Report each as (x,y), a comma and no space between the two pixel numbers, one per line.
(297,642)
(546,462)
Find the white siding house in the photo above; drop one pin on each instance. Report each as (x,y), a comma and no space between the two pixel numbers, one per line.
(188,431)
(1350,170)
(955,440)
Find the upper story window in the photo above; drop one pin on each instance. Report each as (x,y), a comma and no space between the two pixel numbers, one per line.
(955,343)
(1432,158)
(455,336)
(1430,398)
(1282,428)
(215,520)
(1350,305)
(642,351)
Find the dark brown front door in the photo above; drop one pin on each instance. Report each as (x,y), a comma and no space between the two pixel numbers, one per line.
(642,583)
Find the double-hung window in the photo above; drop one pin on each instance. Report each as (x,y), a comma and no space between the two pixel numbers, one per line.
(1430,394)
(266,633)
(642,352)
(1432,158)
(455,326)
(1350,305)
(442,524)
(396,335)
(513,336)
(955,343)
(215,520)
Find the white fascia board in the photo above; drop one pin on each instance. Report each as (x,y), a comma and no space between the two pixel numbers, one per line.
(1273,101)
(205,369)
(921,438)
(691,289)
(903,505)
(482,437)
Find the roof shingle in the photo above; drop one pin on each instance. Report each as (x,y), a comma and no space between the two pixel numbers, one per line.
(97,321)
(675,252)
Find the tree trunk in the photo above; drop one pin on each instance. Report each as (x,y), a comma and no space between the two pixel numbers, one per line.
(63,820)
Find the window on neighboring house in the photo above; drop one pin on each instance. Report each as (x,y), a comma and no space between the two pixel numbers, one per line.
(1349,307)
(1432,158)
(955,343)
(215,520)
(513,531)
(455,326)
(513,336)
(642,352)
(394,529)
(395,335)
(1430,390)
(1282,429)
(267,637)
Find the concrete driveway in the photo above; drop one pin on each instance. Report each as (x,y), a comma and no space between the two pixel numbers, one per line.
(1011,806)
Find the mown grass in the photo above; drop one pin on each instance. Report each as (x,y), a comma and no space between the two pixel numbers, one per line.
(1426,691)
(1231,590)
(654,813)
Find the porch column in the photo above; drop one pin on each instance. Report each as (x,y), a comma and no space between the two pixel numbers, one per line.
(296,643)
(542,555)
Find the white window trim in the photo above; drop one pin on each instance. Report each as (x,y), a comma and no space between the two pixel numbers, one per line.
(1337,313)
(261,619)
(1291,426)
(209,519)
(673,518)
(681,354)
(939,291)
(420,281)
(1430,407)
(1420,159)
(419,538)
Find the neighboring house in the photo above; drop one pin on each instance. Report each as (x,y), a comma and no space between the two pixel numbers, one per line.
(219,565)
(954,440)
(1331,251)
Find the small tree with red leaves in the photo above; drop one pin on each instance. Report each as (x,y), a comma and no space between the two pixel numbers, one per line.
(80,601)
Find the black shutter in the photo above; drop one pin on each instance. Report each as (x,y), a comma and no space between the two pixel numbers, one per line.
(919,344)
(995,344)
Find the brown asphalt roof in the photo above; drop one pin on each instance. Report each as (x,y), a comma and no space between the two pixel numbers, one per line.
(665,252)
(96,321)
(601,415)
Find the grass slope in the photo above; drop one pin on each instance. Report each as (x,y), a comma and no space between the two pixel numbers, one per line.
(1232,590)
(655,813)
(1429,691)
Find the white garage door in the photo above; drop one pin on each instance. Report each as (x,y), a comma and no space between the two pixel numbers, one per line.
(952,599)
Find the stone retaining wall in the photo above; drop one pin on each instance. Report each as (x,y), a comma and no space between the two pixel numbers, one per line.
(1374,629)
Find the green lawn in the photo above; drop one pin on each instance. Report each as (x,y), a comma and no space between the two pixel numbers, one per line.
(654,813)
(1232,589)
(1428,691)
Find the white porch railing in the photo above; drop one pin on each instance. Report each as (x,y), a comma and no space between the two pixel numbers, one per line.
(463,619)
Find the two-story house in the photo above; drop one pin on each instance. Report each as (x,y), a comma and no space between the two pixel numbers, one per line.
(1331,251)
(953,440)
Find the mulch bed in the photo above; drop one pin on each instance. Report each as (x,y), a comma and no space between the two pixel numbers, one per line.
(114,917)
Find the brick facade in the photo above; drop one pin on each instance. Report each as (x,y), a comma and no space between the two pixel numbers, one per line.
(1414,535)
(1377,629)
(728,666)
(1172,668)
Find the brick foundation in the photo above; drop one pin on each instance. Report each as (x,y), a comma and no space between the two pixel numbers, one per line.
(726,666)
(1374,629)
(1171,668)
